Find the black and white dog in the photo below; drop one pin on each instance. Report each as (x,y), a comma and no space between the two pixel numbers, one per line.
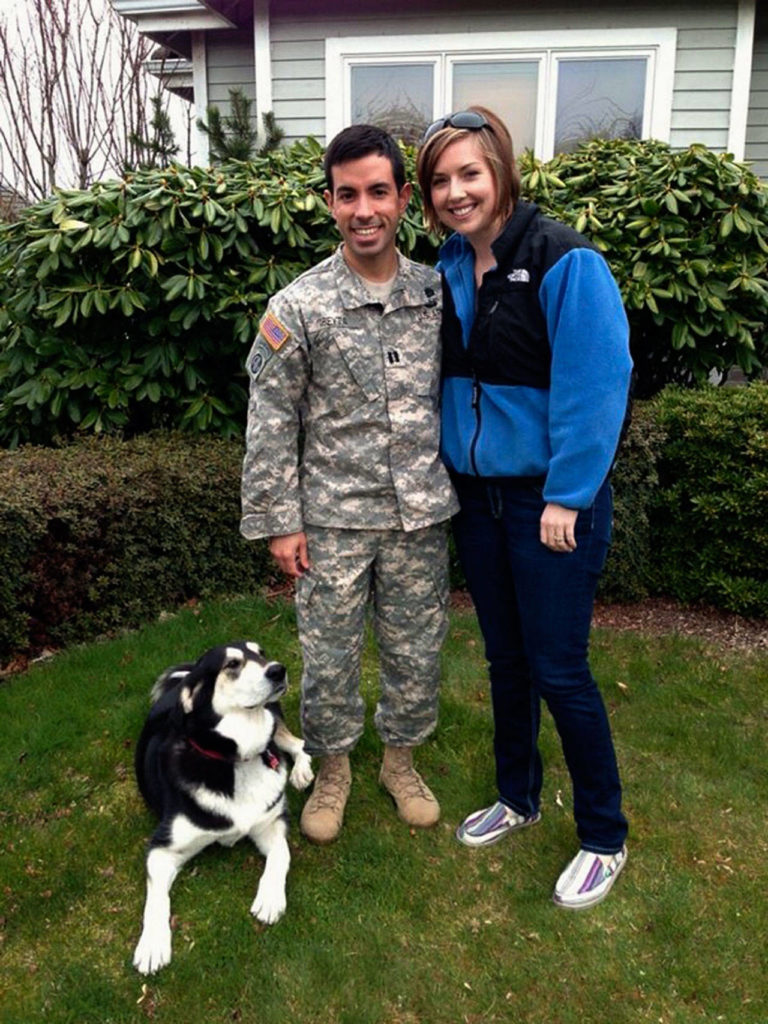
(210,762)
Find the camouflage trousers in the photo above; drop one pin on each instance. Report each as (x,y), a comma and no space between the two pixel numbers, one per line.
(404,579)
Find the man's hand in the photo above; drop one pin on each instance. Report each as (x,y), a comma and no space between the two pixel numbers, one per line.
(556,527)
(290,553)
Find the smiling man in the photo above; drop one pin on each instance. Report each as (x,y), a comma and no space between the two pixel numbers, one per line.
(347,359)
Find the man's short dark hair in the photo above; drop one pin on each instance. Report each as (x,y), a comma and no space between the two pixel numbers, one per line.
(361,140)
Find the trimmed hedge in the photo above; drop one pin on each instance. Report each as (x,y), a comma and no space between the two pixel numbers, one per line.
(104,534)
(628,574)
(709,519)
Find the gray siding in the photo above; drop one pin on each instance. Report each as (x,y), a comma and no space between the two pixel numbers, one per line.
(230,66)
(298,79)
(703,75)
(757,119)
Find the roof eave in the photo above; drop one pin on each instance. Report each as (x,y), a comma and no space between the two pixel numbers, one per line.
(162,16)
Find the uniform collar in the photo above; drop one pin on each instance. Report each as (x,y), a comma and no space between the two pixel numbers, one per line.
(409,288)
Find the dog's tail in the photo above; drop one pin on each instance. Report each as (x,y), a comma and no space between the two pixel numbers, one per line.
(169,680)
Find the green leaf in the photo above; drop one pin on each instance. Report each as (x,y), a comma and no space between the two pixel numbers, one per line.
(64,313)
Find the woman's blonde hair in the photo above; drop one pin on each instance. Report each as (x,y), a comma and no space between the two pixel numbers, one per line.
(495,145)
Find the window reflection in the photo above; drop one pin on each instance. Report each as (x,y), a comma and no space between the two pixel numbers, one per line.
(396,97)
(599,99)
(506,87)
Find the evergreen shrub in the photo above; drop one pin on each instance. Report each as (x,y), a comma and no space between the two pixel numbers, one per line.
(686,235)
(628,573)
(103,534)
(709,521)
(132,306)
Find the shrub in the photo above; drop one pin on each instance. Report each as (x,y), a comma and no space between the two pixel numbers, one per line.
(132,306)
(709,519)
(686,235)
(628,573)
(104,534)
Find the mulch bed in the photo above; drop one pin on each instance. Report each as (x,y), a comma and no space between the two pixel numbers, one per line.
(660,616)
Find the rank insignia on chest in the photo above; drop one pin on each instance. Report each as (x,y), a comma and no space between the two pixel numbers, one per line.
(274,333)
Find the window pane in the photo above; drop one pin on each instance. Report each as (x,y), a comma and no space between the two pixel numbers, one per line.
(508,88)
(599,99)
(396,97)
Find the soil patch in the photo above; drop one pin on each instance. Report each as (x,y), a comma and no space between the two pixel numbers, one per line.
(660,616)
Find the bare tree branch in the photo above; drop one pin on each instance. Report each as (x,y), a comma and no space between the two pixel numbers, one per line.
(74,92)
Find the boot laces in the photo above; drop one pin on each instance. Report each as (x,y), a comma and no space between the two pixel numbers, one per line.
(330,787)
(408,781)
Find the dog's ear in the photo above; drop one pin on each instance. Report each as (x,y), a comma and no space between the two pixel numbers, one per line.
(188,693)
(202,673)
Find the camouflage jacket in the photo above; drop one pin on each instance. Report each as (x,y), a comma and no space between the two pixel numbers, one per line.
(355,386)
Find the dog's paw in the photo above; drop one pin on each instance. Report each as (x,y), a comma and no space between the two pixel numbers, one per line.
(301,773)
(153,951)
(269,905)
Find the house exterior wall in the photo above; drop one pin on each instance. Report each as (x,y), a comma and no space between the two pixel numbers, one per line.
(706,38)
(703,71)
(757,118)
(230,65)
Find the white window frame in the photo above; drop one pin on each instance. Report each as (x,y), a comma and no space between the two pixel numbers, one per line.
(657,45)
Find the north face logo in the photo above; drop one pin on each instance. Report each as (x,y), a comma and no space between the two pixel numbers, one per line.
(521,274)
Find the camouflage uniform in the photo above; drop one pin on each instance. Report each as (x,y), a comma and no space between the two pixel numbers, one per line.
(361,382)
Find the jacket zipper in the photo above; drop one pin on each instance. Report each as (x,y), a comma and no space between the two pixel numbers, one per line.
(476,393)
(478,421)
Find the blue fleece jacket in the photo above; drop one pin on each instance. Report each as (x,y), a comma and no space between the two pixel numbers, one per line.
(536,363)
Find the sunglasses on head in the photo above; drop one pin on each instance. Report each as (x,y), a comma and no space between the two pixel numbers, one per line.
(469,119)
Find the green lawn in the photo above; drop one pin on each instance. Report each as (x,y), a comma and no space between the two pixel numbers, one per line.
(386,926)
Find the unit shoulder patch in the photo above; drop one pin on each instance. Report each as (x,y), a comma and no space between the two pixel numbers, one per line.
(274,332)
(261,354)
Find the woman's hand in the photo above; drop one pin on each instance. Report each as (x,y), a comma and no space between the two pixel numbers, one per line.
(557,526)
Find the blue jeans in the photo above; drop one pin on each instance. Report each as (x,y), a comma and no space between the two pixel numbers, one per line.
(535,609)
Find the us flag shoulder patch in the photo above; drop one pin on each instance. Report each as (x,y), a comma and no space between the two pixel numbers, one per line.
(275,333)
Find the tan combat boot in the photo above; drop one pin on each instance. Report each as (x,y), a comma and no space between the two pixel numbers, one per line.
(416,803)
(323,813)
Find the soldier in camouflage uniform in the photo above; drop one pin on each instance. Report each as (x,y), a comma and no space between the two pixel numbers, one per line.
(342,474)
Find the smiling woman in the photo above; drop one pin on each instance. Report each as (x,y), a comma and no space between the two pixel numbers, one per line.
(528,304)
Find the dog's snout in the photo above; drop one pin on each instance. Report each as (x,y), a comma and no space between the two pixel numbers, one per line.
(275,672)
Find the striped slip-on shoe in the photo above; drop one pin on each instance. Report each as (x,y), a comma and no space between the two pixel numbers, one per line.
(588,878)
(491,824)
